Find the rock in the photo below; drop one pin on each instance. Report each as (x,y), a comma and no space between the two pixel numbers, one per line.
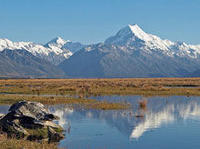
(54,136)
(1,115)
(52,125)
(30,120)
(34,110)
(12,128)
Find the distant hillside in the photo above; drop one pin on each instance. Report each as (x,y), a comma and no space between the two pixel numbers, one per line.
(21,63)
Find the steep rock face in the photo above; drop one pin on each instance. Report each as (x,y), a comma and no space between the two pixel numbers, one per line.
(82,66)
(73,46)
(134,53)
(21,63)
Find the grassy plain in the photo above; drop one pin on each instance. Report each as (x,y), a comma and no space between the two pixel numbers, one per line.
(95,87)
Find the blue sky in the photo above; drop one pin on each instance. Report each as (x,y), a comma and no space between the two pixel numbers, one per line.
(91,21)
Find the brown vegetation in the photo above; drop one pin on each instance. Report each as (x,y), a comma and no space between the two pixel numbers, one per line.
(143,104)
(6,143)
(13,90)
(76,102)
(88,87)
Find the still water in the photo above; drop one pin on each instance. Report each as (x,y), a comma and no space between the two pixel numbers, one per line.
(168,123)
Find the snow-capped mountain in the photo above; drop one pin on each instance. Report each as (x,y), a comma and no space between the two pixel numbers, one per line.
(132,36)
(65,45)
(130,53)
(134,53)
(53,51)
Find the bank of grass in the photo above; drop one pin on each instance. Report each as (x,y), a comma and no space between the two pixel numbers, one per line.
(77,102)
(6,143)
(95,87)
(105,105)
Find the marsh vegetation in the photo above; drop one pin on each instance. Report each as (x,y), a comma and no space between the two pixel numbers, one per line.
(74,102)
(95,87)
(13,143)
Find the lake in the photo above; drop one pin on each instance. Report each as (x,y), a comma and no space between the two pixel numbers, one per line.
(167,123)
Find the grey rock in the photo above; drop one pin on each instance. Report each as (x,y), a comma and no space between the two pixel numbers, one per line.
(12,127)
(32,110)
(28,119)
(54,136)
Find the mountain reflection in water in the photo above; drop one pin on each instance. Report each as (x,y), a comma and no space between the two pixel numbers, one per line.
(104,125)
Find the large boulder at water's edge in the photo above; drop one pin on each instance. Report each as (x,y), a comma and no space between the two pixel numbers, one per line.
(31,120)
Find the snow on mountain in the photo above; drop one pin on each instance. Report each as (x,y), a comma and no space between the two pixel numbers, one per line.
(54,51)
(57,42)
(133,33)
(65,45)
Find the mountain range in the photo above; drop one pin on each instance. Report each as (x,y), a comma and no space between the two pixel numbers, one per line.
(55,51)
(130,53)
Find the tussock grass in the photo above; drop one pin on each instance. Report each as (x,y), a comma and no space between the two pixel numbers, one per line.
(76,102)
(6,143)
(143,104)
(95,87)
(104,105)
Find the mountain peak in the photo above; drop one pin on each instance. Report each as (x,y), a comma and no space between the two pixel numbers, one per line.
(131,31)
(58,42)
(135,28)
(4,40)
(138,32)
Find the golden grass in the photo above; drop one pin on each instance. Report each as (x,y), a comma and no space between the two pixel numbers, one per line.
(6,143)
(88,87)
(104,105)
(80,102)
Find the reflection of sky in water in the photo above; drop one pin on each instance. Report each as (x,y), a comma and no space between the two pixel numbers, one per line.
(4,109)
(169,122)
